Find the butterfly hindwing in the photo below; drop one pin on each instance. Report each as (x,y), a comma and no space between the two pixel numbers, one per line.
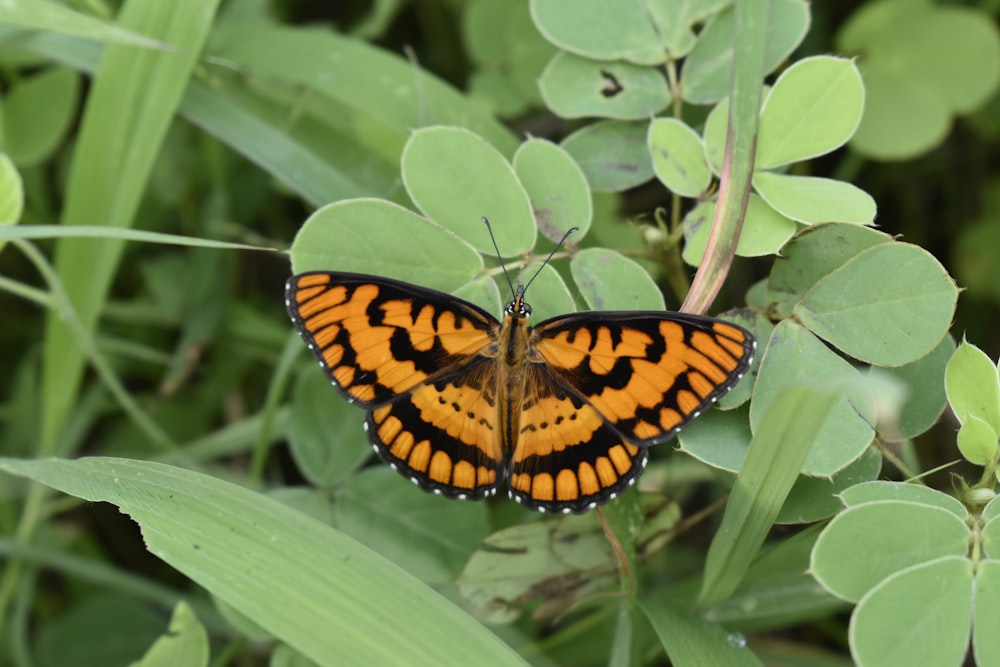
(568,458)
(378,338)
(647,374)
(441,433)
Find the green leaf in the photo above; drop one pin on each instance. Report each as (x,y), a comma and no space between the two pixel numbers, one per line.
(83,629)
(53,17)
(900,288)
(185,642)
(777,590)
(815,498)
(557,188)
(777,452)
(922,63)
(866,543)
(794,357)
(919,616)
(973,386)
(381,238)
(11,194)
(877,491)
(612,154)
(377,84)
(307,584)
(325,435)
(813,254)
(456,178)
(814,107)
(764,232)
(977,440)
(608,280)
(926,398)
(37,113)
(985,642)
(428,536)
(678,157)
(598,30)
(132,101)
(809,199)
(707,70)
(690,641)
(574,87)
(568,557)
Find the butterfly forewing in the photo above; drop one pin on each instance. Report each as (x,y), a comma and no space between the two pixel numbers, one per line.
(378,338)
(647,374)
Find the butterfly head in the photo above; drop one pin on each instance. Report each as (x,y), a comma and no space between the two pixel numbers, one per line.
(518,308)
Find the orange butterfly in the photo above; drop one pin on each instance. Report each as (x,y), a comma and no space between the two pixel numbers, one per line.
(459,402)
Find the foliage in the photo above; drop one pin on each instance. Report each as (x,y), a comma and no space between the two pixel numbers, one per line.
(156,160)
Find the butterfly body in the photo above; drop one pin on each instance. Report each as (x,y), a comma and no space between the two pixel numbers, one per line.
(460,402)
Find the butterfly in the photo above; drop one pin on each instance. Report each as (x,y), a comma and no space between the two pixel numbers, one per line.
(461,403)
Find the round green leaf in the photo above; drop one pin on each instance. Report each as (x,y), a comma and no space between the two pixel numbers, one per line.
(926,397)
(973,386)
(600,30)
(483,292)
(809,199)
(37,112)
(574,87)
(986,642)
(764,231)
(325,433)
(814,107)
(455,177)
(719,438)
(919,616)
(384,239)
(977,440)
(612,154)
(889,305)
(708,68)
(866,543)
(794,357)
(877,491)
(904,116)
(556,186)
(678,157)
(714,135)
(610,281)
(813,254)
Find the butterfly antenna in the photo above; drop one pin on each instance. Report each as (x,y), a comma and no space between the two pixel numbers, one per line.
(554,251)
(495,247)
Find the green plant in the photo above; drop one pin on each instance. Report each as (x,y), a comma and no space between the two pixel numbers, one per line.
(164,352)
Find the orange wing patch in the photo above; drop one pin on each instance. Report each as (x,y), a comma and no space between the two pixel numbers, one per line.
(647,374)
(377,338)
(568,458)
(441,435)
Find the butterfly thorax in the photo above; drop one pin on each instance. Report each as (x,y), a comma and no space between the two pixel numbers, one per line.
(514,352)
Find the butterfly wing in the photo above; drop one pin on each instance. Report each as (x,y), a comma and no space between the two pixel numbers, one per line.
(412,357)
(378,338)
(648,374)
(440,434)
(568,458)
(607,385)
